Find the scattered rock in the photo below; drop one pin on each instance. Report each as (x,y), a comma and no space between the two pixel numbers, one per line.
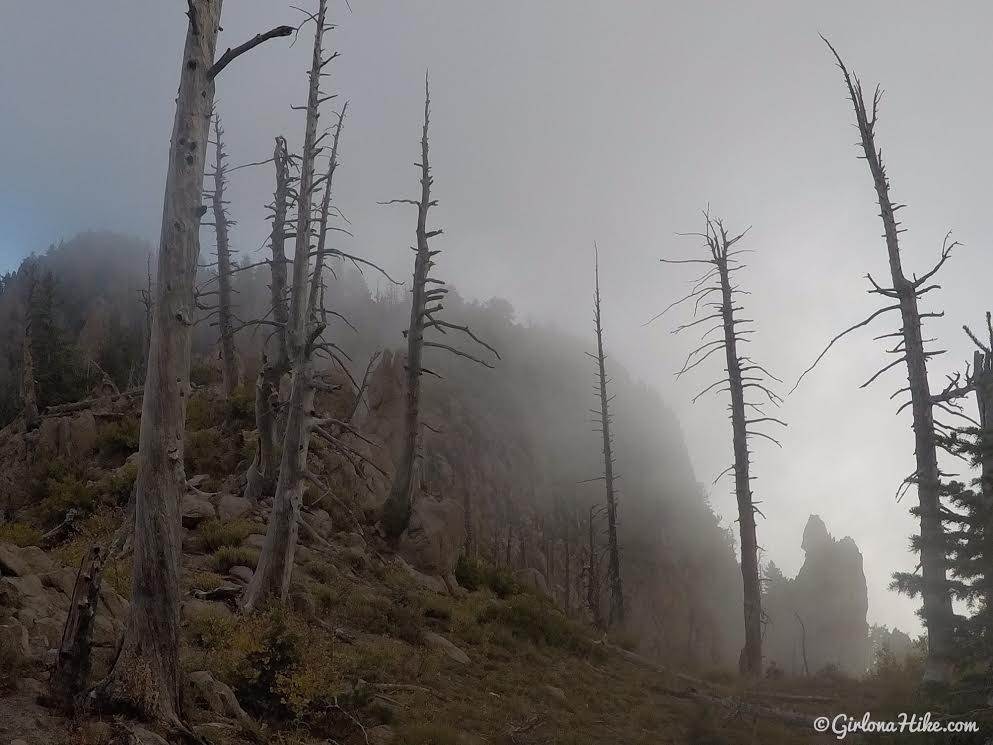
(353,540)
(241,574)
(83,434)
(221,699)
(20,562)
(231,507)
(381,735)
(216,732)
(440,643)
(321,521)
(558,695)
(14,636)
(195,510)
(30,687)
(356,558)
(96,733)
(424,581)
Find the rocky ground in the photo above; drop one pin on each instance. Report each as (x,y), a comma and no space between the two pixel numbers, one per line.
(372,646)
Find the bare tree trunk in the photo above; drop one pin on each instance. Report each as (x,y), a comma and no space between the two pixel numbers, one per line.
(28,387)
(145,674)
(72,666)
(938,616)
(568,571)
(396,510)
(742,374)
(593,573)
(144,678)
(261,474)
(229,359)
(751,656)
(803,644)
(271,579)
(614,561)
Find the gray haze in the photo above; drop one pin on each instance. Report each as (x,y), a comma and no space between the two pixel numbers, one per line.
(560,122)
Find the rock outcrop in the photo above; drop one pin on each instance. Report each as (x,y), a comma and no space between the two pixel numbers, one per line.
(820,616)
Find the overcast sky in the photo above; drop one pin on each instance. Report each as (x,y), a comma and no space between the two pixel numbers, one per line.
(561,122)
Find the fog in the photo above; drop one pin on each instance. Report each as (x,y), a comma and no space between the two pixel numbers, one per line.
(559,123)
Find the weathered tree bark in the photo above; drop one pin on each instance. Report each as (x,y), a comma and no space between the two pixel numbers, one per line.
(262,472)
(144,678)
(616,613)
(229,358)
(938,616)
(271,580)
(397,508)
(72,665)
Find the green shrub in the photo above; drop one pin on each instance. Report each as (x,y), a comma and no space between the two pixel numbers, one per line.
(233,556)
(20,534)
(474,574)
(210,627)
(205,581)
(206,452)
(120,437)
(214,534)
(261,675)
(202,373)
(536,620)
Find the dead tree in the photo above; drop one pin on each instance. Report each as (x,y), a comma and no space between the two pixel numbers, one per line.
(715,293)
(304,329)
(29,389)
(275,361)
(591,566)
(427,294)
(905,294)
(225,324)
(72,666)
(144,677)
(803,643)
(616,613)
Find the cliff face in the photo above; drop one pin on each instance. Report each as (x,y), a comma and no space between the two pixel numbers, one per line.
(820,616)
(510,449)
(511,464)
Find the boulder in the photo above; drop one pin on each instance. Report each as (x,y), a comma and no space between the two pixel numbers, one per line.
(82,434)
(231,507)
(435,535)
(242,574)
(381,735)
(255,541)
(220,699)
(14,637)
(533,580)
(196,510)
(20,562)
(321,521)
(424,581)
(441,644)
